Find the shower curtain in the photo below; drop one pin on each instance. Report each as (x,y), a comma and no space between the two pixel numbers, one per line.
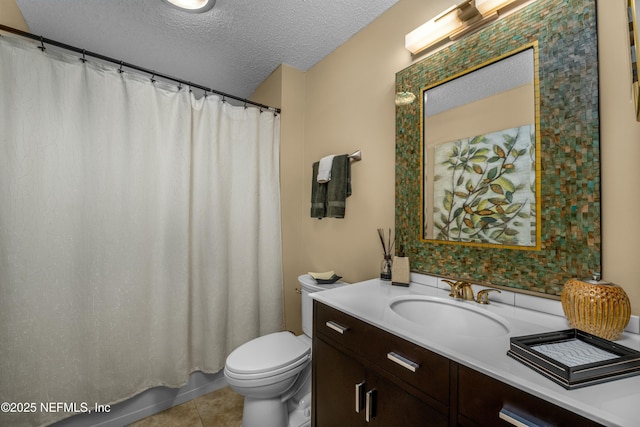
(139,233)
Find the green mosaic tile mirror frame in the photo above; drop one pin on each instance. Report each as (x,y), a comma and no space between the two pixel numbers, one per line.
(566,33)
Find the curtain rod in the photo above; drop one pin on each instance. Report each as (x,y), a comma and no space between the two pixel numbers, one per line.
(121,64)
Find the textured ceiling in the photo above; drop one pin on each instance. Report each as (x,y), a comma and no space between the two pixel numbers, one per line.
(231,48)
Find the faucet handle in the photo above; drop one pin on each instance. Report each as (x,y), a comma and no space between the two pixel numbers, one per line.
(483,295)
(454,288)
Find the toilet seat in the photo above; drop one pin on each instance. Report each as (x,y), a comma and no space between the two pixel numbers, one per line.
(267,356)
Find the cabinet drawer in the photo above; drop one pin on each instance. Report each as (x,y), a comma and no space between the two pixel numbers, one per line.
(426,371)
(346,330)
(482,398)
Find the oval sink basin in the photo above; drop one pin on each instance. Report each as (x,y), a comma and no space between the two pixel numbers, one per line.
(450,316)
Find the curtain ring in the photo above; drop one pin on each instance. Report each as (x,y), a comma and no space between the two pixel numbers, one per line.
(120,70)
(179,86)
(190,87)
(245,105)
(41,47)
(205,94)
(224,99)
(152,77)
(83,59)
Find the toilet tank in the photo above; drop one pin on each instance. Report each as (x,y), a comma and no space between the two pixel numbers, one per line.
(308,285)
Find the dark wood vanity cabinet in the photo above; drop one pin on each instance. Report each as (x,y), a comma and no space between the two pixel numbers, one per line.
(482,401)
(364,376)
(348,394)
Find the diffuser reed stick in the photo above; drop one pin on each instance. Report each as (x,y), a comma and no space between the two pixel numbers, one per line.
(387,249)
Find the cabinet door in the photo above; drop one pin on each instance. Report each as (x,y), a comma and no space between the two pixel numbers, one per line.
(386,404)
(335,378)
(482,399)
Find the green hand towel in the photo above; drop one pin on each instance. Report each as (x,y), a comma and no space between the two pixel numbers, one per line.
(318,194)
(339,188)
(329,199)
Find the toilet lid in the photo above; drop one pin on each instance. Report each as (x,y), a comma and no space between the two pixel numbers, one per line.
(268,353)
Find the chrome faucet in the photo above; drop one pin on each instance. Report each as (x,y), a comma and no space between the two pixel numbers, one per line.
(463,290)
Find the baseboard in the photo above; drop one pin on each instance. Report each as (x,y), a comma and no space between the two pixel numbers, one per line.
(148,403)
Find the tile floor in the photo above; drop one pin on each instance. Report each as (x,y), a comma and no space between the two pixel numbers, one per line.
(221,408)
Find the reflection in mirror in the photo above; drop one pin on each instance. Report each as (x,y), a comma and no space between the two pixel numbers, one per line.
(480,155)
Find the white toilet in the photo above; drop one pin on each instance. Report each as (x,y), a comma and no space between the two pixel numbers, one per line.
(273,372)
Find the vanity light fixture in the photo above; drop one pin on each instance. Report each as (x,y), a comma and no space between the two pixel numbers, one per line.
(486,7)
(457,21)
(433,31)
(192,6)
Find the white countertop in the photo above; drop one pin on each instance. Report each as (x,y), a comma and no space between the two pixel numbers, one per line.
(615,403)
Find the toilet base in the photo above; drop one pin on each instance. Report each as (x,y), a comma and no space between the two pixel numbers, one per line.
(300,414)
(294,411)
(273,413)
(264,413)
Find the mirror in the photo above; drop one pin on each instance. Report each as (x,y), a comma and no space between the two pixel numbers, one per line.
(634,38)
(480,149)
(555,139)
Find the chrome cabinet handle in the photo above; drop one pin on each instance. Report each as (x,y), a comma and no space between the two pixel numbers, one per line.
(337,327)
(359,396)
(370,410)
(403,361)
(515,420)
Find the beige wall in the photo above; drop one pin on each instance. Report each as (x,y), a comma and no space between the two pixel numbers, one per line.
(620,151)
(285,88)
(10,15)
(349,105)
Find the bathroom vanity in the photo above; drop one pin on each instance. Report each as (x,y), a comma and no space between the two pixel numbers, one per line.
(378,357)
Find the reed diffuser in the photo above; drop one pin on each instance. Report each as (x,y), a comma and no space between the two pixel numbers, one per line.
(387,250)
